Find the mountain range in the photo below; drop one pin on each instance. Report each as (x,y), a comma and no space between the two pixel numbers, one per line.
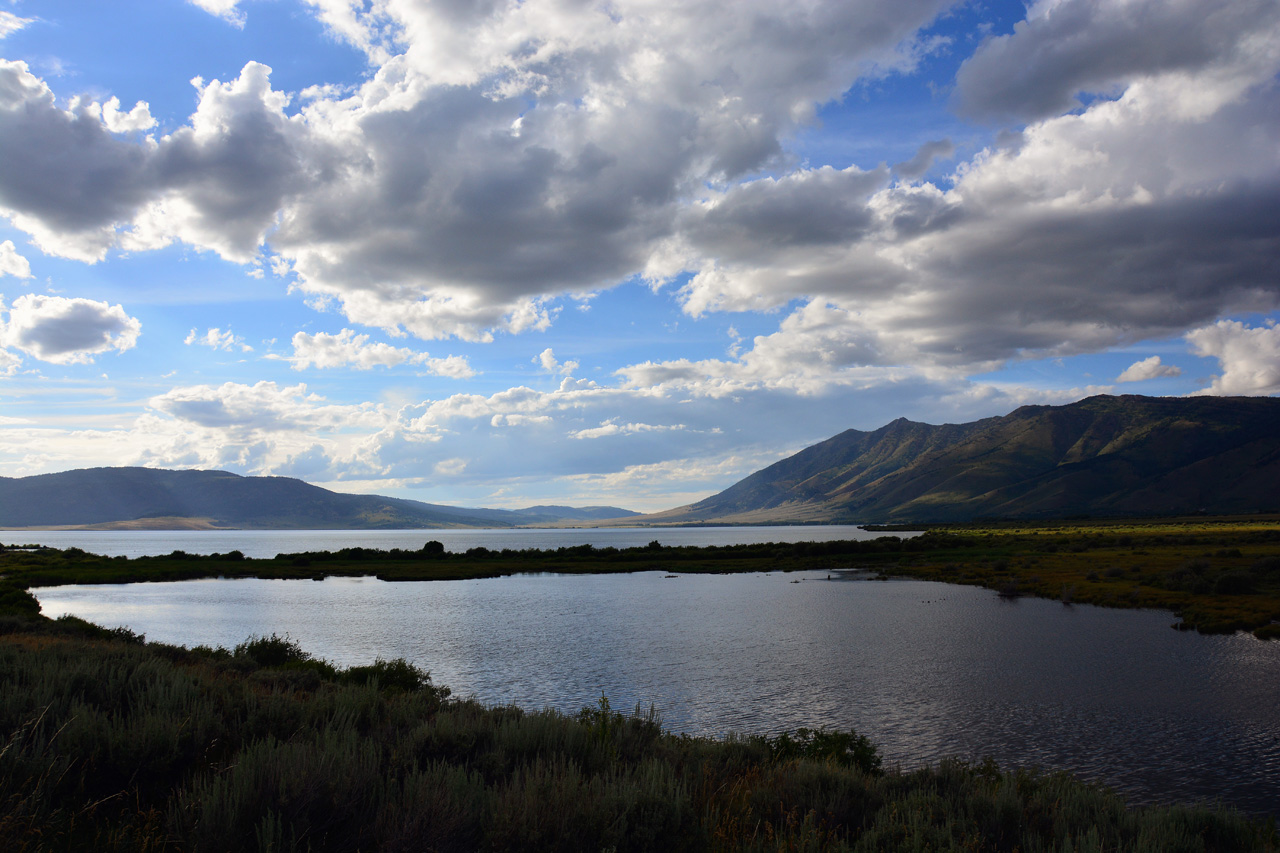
(1102,456)
(156,498)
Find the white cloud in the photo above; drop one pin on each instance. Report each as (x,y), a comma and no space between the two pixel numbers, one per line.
(9,363)
(547,360)
(11,23)
(612,428)
(263,406)
(451,467)
(67,331)
(1249,357)
(375,197)
(11,263)
(1135,219)
(217,339)
(65,179)
(348,349)
(818,347)
(1148,368)
(224,9)
(135,120)
(1069,47)
(502,157)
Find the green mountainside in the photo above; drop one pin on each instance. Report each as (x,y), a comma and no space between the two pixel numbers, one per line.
(157,497)
(1101,456)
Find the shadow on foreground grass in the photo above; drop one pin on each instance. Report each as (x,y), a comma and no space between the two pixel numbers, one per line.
(111,743)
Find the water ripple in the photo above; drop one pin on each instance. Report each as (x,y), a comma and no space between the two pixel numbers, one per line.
(926,670)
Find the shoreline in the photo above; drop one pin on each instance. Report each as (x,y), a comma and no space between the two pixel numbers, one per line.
(267,738)
(1215,578)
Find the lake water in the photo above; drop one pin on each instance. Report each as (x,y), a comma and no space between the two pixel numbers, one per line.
(269,543)
(926,670)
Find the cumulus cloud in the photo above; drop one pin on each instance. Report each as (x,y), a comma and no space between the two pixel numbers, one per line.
(217,339)
(502,156)
(1138,218)
(220,182)
(11,263)
(499,156)
(263,406)
(1148,368)
(224,9)
(547,360)
(348,349)
(1068,47)
(68,331)
(135,120)
(1249,357)
(914,169)
(65,179)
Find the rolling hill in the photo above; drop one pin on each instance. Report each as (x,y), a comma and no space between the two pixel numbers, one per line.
(1104,455)
(152,497)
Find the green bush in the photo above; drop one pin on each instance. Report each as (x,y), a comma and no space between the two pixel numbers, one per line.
(847,748)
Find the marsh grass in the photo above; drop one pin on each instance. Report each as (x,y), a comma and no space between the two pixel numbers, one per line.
(108,743)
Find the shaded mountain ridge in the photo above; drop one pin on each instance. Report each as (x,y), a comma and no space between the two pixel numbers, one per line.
(144,497)
(1104,455)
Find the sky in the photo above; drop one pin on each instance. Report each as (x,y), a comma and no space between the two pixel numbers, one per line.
(513,252)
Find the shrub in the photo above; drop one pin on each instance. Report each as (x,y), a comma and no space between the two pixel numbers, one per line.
(847,748)
(270,651)
(396,674)
(1267,566)
(1235,582)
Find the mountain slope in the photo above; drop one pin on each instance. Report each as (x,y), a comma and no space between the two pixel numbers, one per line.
(1101,456)
(96,496)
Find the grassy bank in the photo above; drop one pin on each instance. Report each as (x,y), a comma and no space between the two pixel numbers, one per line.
(1214,575)
(109,743)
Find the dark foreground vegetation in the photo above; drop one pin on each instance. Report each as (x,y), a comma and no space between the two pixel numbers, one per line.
(109,743)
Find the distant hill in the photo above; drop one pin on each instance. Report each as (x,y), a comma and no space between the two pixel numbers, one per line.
(152,497)
(539,514)
(1101,456)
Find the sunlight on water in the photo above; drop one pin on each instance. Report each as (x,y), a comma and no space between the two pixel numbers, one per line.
(269,543)
(926,670)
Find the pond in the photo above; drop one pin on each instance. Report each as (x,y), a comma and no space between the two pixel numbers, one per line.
(926,670)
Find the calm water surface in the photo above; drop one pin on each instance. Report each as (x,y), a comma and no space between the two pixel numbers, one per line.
(927,670)
(269,543)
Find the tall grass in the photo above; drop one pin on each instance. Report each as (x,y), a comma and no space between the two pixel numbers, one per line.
(107,743)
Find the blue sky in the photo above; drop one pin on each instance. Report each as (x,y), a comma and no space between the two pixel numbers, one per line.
(508,253)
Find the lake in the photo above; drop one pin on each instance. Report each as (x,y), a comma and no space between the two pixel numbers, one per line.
(926,670)
(269,543)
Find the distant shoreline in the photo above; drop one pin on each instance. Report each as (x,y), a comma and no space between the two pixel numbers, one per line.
(161,523)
